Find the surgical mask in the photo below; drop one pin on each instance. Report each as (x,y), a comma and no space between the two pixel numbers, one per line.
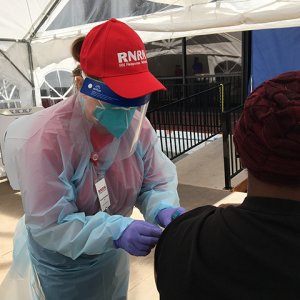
(116,119)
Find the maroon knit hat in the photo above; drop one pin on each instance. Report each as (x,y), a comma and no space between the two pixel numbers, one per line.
(267,136)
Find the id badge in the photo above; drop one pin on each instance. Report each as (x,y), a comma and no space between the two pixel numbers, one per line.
(102,193)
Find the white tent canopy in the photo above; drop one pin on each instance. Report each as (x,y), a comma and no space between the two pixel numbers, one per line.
(45,29)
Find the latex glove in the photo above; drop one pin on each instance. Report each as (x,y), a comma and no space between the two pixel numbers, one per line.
(165,216)
(138,238)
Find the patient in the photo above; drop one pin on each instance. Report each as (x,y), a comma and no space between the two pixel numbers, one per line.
(251,251)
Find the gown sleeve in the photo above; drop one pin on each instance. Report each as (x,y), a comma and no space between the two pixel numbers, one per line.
(159,188)
(45,168)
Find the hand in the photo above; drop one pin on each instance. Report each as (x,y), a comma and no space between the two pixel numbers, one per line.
(165,216)
(138,238)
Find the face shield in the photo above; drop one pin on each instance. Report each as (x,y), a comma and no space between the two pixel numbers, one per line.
(122,117)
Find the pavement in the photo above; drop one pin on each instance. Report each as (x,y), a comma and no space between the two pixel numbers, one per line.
(201,181)
(205,168)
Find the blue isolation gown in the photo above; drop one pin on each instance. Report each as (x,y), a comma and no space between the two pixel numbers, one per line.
(63,245)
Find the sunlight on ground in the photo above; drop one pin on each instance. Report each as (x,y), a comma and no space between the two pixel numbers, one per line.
(234,197)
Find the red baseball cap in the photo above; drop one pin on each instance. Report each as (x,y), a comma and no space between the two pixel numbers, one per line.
(115,53)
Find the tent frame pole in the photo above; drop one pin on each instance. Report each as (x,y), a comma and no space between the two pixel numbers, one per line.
(32,36)
(16,67)
(246,63)
(13,40)
(184,69)
(31,81)
(31,73)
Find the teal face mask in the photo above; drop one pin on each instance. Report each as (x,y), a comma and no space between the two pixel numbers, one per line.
(114,118)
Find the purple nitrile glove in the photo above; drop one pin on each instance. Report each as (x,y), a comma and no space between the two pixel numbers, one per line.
(138,238)
(166,215)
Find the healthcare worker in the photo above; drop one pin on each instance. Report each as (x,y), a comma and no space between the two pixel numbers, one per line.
(81,166)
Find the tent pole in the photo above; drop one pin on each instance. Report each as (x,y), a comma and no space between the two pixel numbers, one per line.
(246,63)
(43,20)
(16,67)
(31,73)
(13,40)
(184,69)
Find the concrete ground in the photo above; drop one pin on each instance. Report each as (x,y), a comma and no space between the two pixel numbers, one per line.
(201,182)
(205,168)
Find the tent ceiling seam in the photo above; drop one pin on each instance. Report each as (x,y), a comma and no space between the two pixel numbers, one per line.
(32,26)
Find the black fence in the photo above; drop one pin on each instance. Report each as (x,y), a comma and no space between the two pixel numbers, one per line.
(176,90)
(232,163)
(185,124)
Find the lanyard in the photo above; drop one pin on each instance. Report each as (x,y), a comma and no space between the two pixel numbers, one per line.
(100,169)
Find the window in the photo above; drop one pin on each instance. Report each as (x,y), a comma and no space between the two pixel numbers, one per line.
(9,95)
(58,85)
(227,66)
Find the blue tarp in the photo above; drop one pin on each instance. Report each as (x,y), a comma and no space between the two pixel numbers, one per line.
(274,51)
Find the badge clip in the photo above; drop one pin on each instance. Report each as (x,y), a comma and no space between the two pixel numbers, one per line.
(94,158)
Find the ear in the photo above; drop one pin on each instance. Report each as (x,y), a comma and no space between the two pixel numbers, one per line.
(79,82)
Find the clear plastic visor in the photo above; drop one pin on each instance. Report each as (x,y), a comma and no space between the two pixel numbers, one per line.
(122,121)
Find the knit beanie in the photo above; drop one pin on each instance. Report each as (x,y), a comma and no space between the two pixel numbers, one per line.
(267,135)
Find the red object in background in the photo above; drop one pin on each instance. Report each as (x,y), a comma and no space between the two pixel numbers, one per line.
(46,103)
(178,72)
(50,102)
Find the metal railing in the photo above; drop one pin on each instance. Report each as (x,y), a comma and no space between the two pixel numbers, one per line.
(185,124)
(176,90)
(232,163)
